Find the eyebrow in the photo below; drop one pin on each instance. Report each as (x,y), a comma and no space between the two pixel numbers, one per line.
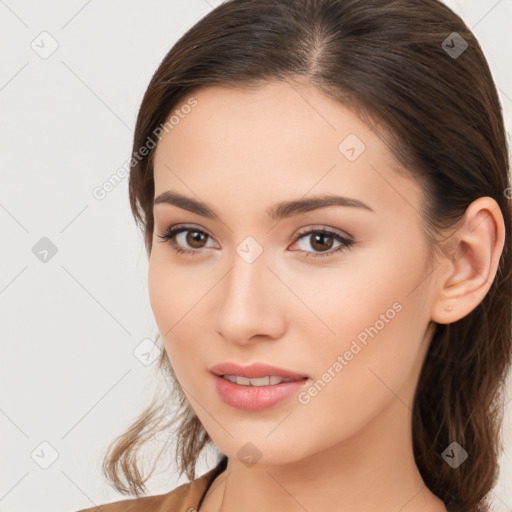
(279,211)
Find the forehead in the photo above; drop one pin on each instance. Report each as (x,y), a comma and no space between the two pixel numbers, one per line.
(277,141)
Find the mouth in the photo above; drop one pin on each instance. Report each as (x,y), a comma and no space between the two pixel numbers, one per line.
(269,380)
(256,374)
(258,393)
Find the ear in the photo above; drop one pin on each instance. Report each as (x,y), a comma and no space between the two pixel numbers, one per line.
(469,261)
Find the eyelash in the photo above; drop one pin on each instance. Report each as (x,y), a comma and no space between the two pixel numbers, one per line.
(346,243)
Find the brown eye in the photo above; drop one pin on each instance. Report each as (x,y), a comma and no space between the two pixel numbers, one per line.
(195,239)
(321,241)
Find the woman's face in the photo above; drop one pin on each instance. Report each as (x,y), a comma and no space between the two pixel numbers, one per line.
(353,317)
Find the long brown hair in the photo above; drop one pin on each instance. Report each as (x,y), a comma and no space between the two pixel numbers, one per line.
(415,72)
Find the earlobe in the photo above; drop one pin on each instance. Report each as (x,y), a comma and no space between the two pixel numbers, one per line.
(469,261)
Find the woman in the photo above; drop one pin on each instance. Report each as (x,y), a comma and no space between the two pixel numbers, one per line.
(324,194)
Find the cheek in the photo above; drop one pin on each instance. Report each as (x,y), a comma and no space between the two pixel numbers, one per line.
(171,292)
(357,380)
(175,298)
(345,300)
(372,288)
(160,293)
(374,316)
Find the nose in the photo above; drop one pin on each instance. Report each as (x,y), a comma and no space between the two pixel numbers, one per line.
(252,302)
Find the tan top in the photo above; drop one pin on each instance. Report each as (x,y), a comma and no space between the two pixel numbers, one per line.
(185,498)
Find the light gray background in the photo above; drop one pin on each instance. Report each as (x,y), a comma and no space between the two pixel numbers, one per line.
(69,326)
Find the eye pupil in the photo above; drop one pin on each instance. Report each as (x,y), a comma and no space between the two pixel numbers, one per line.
(321,237)
(194,237)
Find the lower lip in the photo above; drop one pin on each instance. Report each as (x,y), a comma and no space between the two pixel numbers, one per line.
(255,398)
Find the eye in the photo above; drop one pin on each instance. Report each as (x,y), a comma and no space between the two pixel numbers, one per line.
(194,237)
(322,241)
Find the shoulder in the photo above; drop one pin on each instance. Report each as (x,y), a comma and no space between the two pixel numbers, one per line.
(184,498)
(180,499)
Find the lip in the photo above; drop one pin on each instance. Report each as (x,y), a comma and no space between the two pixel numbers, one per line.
(255,398)
(254,370)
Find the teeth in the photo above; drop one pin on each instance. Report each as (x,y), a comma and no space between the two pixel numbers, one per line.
(260,381)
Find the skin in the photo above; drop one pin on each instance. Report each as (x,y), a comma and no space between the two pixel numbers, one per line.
(350,447)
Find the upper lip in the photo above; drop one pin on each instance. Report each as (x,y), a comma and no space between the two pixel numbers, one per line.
(254,370)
